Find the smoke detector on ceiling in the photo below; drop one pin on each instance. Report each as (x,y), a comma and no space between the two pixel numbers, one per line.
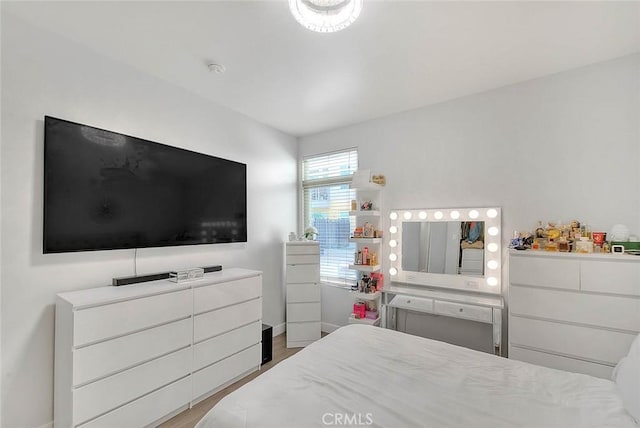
(216,68)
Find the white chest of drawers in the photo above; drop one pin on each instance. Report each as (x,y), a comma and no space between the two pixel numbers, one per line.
(133,356)
(303,293)
(571,311)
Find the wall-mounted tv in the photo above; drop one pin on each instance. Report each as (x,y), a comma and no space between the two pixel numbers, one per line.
(104,190)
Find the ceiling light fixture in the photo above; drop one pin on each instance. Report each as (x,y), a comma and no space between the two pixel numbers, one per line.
(325,16)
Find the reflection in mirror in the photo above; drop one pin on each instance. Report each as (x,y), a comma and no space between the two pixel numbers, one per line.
(447,247)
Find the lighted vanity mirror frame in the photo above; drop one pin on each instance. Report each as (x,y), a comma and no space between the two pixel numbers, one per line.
(490,282)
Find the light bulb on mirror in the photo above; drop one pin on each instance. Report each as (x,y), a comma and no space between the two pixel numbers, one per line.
(492,281)
(492,213)
(422,215)
(492,264)
(455,215)
(393,229)
(474,214)
(393,216)
(492,247)
(438,215)
(393,243)
(493,231)
(407,215)
(393,257)
(393,271)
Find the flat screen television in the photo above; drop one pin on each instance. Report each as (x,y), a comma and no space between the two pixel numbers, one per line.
(104,190)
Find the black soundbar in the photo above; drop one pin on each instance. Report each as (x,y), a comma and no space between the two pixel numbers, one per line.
(128,280)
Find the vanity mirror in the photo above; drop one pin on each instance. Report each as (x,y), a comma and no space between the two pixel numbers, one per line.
(451,248)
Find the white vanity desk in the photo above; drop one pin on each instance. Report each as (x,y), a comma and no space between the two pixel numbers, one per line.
(474,307)
(429,271)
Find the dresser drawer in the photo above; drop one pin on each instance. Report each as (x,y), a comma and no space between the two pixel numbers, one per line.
(213,323)
(219,347)
(298,293)
(560,363)
(104,358)
(297,249)
(582,308)
(459,310)
(303,273)
(106,394)
(596,345)
(224,294)
(611,277)
(108,321)
(303,312)
(213,377)
(147,409)
(297,331)
(303,259)
(544,272)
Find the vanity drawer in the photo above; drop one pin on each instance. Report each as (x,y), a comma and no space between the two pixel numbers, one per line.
(95,324)
(544,272)
(303,273)
(303,311)
(294,249)
(228,293)
(459,310)
(611,277)
(299,293)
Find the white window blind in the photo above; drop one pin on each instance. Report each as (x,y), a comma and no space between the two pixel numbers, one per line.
(327,201)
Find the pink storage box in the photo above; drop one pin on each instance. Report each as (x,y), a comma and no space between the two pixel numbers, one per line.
(359,309)
(372,315)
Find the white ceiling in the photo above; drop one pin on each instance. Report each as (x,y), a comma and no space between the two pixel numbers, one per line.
(398,56)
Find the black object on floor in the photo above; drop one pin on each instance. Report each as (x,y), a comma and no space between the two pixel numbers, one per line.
(267,343)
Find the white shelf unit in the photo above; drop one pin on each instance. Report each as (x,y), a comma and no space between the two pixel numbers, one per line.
(137,354)
(365,268)
(303,293)
(367,297)
(373,193)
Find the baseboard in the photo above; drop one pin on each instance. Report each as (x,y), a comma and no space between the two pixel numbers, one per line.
(279,329)
(329,328)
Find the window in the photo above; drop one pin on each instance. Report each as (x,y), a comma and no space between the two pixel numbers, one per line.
(327,201)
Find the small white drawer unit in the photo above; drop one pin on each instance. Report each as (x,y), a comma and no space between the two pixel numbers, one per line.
(135,355)
(575,312)
(303,292)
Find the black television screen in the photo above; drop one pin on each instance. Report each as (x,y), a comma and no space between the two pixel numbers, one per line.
(105,190)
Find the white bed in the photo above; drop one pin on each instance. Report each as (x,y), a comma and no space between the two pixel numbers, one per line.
(375,377)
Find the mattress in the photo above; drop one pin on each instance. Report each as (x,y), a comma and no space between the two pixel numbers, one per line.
(366,376)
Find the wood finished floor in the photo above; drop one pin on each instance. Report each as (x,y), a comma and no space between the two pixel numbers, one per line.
(189,418)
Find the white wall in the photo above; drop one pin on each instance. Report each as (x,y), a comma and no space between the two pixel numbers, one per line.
(45,74)
(562,147)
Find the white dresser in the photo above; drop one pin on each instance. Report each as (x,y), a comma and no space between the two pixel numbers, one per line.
(303,292)
(135,355)
(575,312)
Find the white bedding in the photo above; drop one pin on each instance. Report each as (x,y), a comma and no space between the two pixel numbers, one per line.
(369,376)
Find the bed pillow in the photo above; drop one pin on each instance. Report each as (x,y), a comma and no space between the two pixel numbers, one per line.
(627,376)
